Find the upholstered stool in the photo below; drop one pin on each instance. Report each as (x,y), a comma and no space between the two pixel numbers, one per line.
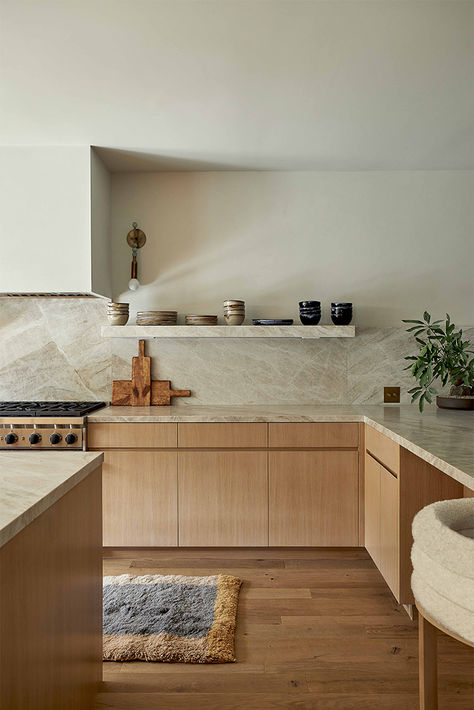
(443,583)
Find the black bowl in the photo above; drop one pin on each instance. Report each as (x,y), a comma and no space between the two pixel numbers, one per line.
(310,304)
(310,310)
(341,305)
(342,317)
(310,319)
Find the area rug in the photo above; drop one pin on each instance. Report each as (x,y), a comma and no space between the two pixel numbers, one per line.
(170,618)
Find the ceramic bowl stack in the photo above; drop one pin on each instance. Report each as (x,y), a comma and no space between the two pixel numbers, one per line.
(117,313)
(201,320)
(157,317)
(310,312)
(234,312)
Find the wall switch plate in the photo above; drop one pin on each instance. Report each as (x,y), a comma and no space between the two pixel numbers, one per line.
(391,394)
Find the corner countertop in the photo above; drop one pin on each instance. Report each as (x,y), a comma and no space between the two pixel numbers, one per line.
(31,482)
(442,437)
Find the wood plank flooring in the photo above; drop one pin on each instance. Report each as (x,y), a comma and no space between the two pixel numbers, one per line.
(317,630)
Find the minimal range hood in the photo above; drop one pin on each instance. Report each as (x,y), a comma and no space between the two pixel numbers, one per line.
(54,225)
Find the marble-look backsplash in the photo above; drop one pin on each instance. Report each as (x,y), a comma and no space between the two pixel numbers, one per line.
(52,349)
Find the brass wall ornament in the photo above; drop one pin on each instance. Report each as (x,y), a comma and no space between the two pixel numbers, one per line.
(135,239)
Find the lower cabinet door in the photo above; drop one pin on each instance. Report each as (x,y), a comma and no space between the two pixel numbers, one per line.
(223,498)
(372,508)
(140,498)
(389,537)
(314,498)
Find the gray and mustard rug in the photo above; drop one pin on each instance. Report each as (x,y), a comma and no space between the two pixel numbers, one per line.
(170,618)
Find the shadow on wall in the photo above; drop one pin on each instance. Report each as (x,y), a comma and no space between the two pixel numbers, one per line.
(274,238)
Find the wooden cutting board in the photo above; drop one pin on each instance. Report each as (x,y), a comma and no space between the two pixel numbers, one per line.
(141,390)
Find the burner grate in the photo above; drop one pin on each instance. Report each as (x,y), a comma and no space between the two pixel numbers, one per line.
(48,409)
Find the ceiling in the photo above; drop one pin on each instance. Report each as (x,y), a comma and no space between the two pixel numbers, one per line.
(243,84)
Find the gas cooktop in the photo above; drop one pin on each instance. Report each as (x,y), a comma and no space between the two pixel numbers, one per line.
(48,409)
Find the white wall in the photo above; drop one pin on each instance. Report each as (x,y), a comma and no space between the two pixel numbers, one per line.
(45,218)
(315,84)
(393,243)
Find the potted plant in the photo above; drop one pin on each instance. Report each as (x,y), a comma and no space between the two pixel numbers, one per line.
(445,357)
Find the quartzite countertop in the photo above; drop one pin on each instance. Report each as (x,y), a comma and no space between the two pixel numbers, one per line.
(31,481)
(443,438)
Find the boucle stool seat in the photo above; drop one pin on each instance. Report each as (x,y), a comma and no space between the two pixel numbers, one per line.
(442,582)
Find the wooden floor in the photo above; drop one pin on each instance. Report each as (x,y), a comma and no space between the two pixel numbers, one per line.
(317,630)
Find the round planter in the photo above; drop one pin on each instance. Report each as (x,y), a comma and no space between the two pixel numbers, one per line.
(452,402)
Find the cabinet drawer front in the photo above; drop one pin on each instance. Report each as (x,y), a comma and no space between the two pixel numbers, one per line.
(313,435)
(223,498)
(314,498)
(137,435)
(383,448)
(230,436)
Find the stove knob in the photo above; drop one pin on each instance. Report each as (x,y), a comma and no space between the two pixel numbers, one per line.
(70,438)
(11,439)
(34,438)
(55,438)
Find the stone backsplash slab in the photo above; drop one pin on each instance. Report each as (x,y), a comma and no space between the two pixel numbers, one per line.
(53,349)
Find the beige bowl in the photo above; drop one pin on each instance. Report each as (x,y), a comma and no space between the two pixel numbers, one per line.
(234,318)
(117,318)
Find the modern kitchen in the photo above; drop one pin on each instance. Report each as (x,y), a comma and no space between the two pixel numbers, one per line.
(237,355)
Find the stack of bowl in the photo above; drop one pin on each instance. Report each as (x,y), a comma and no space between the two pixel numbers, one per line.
(117,313)
(201,320)
(157,317)
(310,312)
(234,312)
(341,313)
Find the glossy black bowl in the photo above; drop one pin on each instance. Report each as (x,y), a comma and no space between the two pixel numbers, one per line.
(310,319)
(310,310)
(341,305)
(310,304)
(341,316)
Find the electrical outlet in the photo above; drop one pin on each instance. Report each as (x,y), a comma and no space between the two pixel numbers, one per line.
(391,394)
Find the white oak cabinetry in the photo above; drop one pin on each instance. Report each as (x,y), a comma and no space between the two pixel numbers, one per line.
(381,520)
(258,484)
(140,498)
(314,498)
(229,484)
(51,604)
(223,498)
(397,484)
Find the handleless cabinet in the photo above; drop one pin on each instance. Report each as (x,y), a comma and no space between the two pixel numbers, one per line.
(389,530)
(314,498)
(223,498)
(382,521)
(249,484)
(132,435)
(140,498)
(397,484)
(372,508)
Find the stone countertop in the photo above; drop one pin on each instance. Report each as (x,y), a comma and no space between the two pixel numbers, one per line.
(31,482)
(443,438)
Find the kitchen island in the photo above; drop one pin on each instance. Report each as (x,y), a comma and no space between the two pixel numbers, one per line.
(50,579)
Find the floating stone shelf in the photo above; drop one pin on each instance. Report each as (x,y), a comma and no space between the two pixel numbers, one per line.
(228,331)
